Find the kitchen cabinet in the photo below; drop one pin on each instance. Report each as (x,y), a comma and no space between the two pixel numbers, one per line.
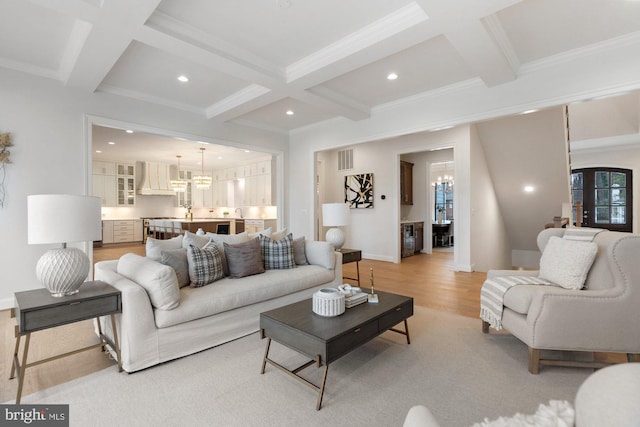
(185,197)
(121,231)
(257,225)
(220,194)
(125,185)
(406,183)
(258,190)
(107,232)
(104,182)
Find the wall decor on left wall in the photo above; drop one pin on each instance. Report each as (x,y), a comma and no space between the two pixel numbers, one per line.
(358,190)
(5,143)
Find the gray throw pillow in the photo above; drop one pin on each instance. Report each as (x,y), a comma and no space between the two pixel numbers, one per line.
(277,254)
(205,265)
(299,254)
(244,259)
(177,259)
(193,239)
(153,246)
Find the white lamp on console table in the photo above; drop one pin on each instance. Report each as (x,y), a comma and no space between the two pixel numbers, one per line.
(63,218)
(335,215)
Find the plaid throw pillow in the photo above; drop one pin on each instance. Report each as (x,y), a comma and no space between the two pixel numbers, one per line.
(277,254)
(205,265)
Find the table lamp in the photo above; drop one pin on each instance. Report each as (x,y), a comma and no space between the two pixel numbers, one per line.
(63,218)
(335,215)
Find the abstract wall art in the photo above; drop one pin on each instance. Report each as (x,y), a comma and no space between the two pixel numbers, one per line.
(358,191)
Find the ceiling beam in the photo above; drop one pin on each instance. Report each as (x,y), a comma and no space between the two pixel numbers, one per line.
(110,35)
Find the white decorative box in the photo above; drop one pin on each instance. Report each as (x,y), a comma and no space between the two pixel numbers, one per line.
(328,302)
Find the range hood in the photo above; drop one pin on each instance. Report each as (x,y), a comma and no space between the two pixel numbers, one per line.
(153,178)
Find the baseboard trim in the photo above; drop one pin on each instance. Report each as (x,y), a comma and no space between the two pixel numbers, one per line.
(6,303)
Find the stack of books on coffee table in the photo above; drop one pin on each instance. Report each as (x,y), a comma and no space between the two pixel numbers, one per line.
(355,299)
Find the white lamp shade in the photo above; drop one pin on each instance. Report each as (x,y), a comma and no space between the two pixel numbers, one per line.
(335,214)
(63,218)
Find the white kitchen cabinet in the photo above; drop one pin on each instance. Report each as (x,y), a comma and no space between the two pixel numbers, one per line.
(185,197)
(257,191)
(104,186)
(121,231)
(257,225)
(107,232)
(125,185)
(104,182)
(220,194)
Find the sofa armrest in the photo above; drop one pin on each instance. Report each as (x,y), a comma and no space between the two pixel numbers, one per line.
(137,331)
(499,273)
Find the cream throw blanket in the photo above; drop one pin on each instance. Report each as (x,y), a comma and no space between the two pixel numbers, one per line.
(492,296)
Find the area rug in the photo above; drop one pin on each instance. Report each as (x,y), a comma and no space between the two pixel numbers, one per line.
(461,374)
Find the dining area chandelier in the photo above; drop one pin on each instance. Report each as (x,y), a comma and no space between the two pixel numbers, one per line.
(202,181)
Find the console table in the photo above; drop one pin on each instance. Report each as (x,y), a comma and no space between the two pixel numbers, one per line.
(352,255)
(37,310)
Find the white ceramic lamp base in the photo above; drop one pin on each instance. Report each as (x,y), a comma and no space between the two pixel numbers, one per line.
(335,236)
(62,271)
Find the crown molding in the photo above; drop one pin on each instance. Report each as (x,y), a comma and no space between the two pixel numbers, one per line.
(496,31)
(242,96)
(34,70)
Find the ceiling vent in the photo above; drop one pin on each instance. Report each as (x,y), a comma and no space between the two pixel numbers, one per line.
(345,159)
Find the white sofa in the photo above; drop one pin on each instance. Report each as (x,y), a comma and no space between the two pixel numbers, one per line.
(210,315)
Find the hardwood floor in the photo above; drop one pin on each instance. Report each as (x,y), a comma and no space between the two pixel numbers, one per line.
(429,279)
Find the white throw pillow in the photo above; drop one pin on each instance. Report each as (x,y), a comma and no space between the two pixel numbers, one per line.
(157,279)
(566,263)
(194,239)
(155,246)
(319,253)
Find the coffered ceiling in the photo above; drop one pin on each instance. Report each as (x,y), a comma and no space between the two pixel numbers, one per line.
(251,61)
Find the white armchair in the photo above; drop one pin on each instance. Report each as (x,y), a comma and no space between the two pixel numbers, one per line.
(602,317)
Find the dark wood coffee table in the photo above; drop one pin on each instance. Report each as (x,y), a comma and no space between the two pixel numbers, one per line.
(326,339)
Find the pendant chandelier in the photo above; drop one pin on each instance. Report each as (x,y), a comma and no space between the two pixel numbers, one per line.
(202,181)
(178,185)
(446,179)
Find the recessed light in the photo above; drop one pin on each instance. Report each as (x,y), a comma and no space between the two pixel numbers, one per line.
(528,188)
(290,113)
(247,151)
(219,157)
(111,143)
(183,78)
(529,111)
(99,151)
(128,131)
(392,76)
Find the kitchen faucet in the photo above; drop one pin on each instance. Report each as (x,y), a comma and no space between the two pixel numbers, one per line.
(236,210)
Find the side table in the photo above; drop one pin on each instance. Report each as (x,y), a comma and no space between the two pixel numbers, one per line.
(37,310)
(352,255)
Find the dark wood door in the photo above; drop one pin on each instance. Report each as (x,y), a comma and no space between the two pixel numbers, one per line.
(606,195)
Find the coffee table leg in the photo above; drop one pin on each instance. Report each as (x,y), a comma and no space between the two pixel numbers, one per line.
(321,391)
(406,328)
(266,354)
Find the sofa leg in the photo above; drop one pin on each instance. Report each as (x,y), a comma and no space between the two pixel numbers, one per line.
(485,327)
(534,360)
(633,357)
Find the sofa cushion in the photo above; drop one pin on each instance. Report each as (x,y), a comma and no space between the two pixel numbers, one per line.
(228,294)
(177,259)
(278,235)
(320,253)
(153,246)
(299,255)
(277,254)
(244,259)
(158,280)
(567,262)
(205,265)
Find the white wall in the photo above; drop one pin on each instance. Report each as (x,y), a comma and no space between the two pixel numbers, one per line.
(47,122)
(372,230)
(489,237)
